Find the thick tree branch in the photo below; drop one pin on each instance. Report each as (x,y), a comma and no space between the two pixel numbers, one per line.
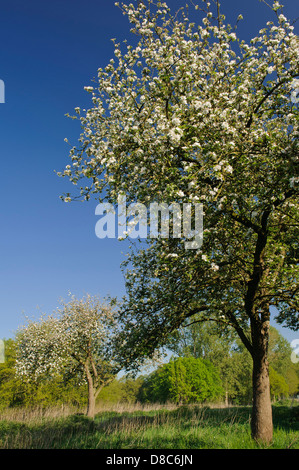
(245,340)
(261,102)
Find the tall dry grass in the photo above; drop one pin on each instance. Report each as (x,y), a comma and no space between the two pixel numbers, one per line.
(37,413)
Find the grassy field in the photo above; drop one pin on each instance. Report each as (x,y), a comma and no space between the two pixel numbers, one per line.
(185,427)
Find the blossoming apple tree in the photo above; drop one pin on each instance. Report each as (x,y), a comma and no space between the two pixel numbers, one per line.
(78,341)
(190,113)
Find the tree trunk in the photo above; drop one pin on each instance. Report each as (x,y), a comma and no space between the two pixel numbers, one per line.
(91,402)
(261,421)
(226,398)
(91,394)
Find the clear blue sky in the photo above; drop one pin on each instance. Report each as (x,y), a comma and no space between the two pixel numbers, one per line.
(49,51)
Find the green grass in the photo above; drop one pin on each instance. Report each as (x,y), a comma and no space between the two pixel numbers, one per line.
(182,428)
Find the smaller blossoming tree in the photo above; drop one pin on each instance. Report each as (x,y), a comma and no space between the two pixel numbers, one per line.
(78,341)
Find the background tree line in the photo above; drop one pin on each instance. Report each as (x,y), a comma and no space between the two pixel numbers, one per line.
(205,366)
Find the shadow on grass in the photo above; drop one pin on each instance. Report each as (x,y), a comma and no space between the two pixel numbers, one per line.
(185,427)
(286,417)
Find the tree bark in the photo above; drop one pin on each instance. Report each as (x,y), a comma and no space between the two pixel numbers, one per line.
(226,398)
(261,420)
(91,402)
(258,312)
(91,394)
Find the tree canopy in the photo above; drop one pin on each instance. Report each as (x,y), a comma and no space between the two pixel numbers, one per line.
(182,380)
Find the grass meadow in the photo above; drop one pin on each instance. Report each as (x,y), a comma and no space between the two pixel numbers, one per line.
(144,427)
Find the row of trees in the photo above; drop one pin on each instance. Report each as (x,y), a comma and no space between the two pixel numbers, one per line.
(234,363)
(58,358)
